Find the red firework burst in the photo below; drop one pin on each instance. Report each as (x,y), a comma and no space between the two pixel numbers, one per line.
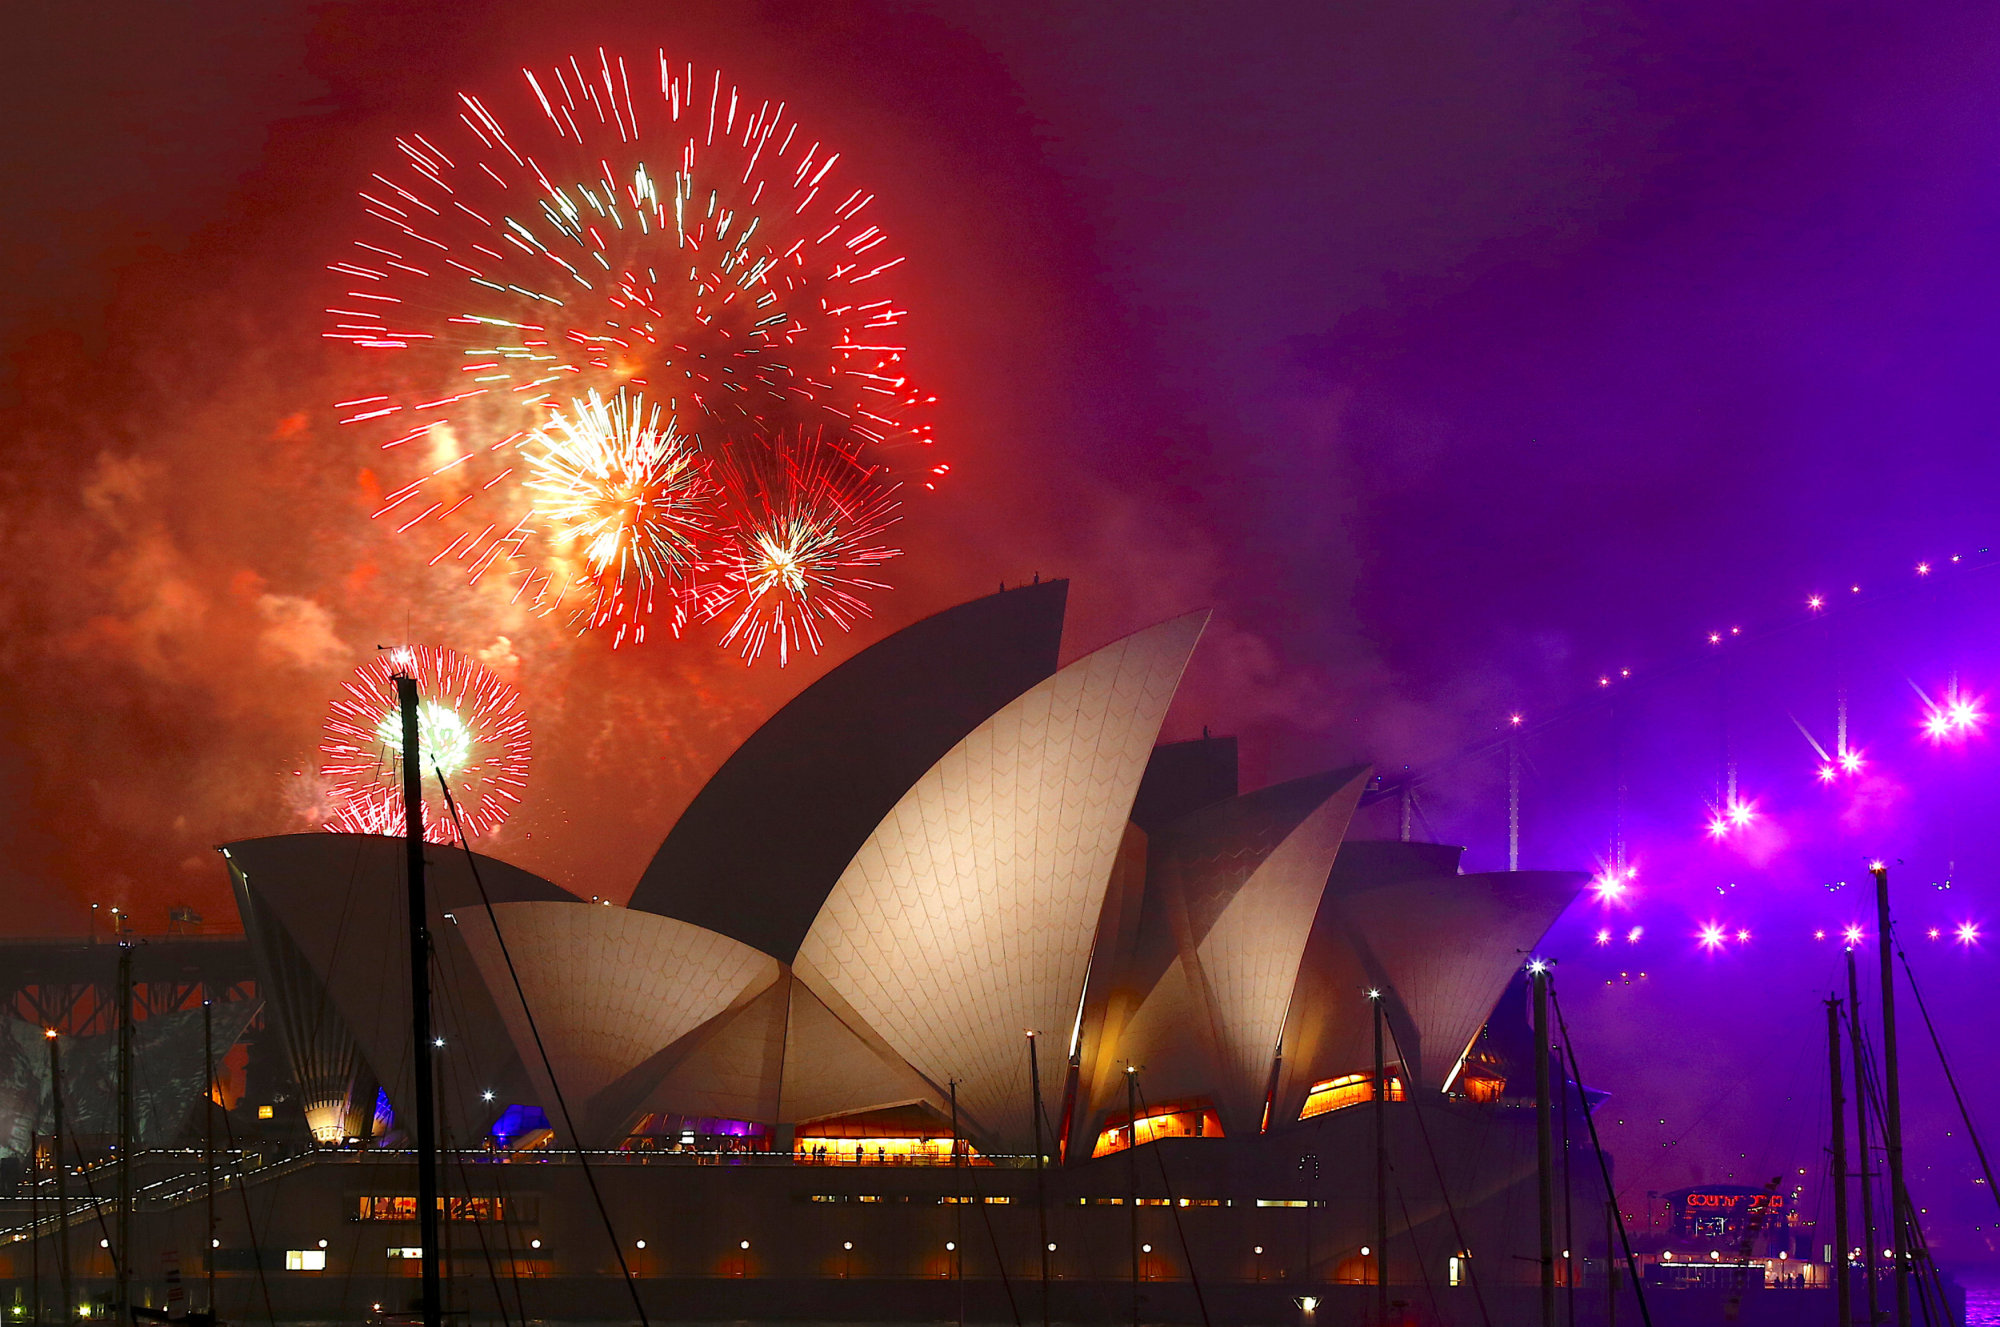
(469,725)
(805,545)
(615,229)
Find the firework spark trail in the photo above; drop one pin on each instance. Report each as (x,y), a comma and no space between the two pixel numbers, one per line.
(808,538)
(469,725)
(628,499)
(690,241)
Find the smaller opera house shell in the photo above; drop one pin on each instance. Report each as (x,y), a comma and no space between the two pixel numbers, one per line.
(944,844)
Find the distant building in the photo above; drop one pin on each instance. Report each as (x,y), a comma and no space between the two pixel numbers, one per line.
(941,845)
(800,1056)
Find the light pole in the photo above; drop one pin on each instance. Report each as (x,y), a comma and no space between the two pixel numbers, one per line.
(1312,1184)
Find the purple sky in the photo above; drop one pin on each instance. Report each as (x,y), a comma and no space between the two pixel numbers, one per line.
(1453,355)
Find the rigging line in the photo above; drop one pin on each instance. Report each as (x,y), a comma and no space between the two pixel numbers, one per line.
(249,1222)
(1928,1282)
(1903,1213)
(96,1205)
(1871,1089)
(1200,1299)
(1950,1078)
(1423,1263)
(562,1099)
(1437,1168)
(478,1226)
(1610,1193)
(451,983)
(454,1075)
(986,1215)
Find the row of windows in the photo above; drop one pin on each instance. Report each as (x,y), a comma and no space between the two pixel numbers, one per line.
(458,1207)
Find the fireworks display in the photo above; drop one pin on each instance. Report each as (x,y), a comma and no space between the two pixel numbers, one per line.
(621,235)
(626,504)
(803,547)
(469,727)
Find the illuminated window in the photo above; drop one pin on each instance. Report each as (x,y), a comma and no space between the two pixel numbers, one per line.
(1193,1119)
(1348,1090)
(999,1198)
(266,1112)
(1482,1089)
(1457,1269)
(886,1150)
(461,1207)
(1282,1202)
(305,1260)
(414,1253)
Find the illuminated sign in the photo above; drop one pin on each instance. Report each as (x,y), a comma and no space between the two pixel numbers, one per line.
(1733,1202)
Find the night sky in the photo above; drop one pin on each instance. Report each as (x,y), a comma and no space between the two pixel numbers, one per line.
(1456,356)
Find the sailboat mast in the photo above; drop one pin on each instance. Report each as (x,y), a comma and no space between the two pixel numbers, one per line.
(122,1255)
(1381,1170)
(1843,1285)
(1544,1143)
(1041,1190)
(1901,1218)
(1872,1284)
(420,1003)
(208,1145)
(62,1187)
(35,1223)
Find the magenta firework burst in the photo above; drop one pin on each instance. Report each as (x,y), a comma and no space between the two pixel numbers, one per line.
(470,729)
(608,233)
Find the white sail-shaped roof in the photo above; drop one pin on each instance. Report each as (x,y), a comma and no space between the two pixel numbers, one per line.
(1440,947)
(1232,890)
(610,989)
(966,918)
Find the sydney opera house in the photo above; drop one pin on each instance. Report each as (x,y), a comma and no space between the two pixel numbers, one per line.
(952,908)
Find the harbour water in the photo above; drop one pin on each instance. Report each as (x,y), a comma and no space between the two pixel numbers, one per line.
(1982,1300)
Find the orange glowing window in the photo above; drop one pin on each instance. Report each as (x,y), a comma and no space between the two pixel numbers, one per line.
(884,1151)
(1195,1119)
(459,1207)
(1485,1090)
(1349,1090)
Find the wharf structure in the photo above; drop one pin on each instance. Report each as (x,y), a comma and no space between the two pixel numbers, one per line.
(951,989)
